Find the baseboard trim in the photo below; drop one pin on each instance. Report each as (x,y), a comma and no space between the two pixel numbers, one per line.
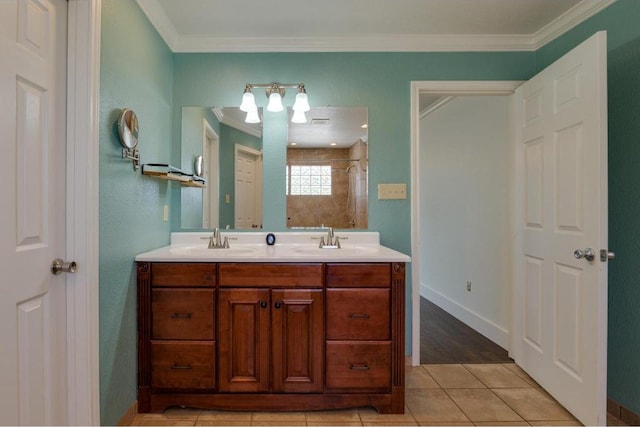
(622,413)
(129,416)
(494,332)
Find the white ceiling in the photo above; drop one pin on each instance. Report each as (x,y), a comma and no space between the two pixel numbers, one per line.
(364,25)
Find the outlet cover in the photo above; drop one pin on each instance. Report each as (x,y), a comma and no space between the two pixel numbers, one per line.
(392,191)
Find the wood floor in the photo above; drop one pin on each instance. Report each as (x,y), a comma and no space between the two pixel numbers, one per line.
(445,339)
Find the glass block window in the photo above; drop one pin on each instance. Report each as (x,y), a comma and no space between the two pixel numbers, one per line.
(308,180)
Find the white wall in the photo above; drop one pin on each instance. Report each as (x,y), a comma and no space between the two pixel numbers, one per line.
(465,209)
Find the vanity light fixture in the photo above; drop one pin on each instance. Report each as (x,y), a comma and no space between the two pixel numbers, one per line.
(275,92)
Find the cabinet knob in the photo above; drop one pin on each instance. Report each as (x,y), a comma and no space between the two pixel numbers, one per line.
(278,304)
(263,304)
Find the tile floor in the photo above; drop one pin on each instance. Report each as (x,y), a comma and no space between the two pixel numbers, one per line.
(478,394)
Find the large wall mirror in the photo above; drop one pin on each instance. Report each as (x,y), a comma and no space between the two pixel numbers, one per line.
(232,165)
(326,171)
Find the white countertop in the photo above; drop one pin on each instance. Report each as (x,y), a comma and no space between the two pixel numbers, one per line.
(289,247)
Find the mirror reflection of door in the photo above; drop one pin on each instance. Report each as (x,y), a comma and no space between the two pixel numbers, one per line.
(211,164)
(248,188)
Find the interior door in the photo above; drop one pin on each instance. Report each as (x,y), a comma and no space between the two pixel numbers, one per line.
(248,188)
(560,301)
(32,216)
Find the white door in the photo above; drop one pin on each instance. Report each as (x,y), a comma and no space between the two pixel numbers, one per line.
(32,215)
(248,188)
(211,194)
(560,302)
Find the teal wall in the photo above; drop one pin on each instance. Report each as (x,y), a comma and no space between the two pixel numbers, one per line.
(147,77)
(138,76)
(620,20)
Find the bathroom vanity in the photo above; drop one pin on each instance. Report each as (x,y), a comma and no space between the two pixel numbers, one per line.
(289,327)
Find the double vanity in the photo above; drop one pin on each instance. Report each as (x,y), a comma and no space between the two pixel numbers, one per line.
(291,326)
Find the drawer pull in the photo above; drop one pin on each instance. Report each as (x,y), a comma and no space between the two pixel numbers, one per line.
(181,316)
(358,316)
(359,367)
(176,366)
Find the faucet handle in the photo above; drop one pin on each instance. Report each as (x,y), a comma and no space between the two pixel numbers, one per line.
(336,241)
(321,242)
(226,243)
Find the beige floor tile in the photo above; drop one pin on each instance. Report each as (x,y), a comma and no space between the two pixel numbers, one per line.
(222,423)
(496,375)
(533,405)
(521,373)
(225,416)
(346,415)
(502,423)
(369,415)
(167,422)
(555,423)
(279,423)
(334,423)
(418,377)
(448,423)
(288,417)
(482,405)
(432,404)
(453,376)
(390,423)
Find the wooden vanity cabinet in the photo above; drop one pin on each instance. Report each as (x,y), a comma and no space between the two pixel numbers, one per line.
(271,336)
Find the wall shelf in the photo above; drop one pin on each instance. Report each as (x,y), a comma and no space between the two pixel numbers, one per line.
(172,173)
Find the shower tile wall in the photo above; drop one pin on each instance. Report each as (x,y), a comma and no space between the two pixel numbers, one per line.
(341,209)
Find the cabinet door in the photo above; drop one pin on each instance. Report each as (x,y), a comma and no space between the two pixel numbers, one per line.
(297,340)
(243,327)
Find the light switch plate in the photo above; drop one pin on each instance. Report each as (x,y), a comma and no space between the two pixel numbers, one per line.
(392,191)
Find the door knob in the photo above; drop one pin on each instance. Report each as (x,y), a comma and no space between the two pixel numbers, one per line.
(606,255)
(587,254)
(58,266)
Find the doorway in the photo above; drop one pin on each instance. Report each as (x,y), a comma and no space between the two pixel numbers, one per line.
(439,95)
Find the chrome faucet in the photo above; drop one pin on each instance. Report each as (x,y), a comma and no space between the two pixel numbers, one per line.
(331,242)
(216,242)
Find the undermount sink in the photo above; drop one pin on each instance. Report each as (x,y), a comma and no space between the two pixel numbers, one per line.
(204,250)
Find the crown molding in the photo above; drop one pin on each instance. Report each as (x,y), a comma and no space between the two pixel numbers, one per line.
(568,20)
(242,127)
(371,43)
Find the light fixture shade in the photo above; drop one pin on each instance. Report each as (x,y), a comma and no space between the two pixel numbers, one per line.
(252,116)
(298,117)
(302,102)
(275,102)
(248,102)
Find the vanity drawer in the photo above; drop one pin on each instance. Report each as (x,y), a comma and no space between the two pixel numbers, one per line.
(183,274)
(358,314)
(358,365)
(182,365)
(182,314)
(369,275)
(258,275)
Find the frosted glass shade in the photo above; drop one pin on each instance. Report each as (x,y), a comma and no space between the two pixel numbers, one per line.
(252,116)
(275,103)
(302,102)
(248,102)
(298,117)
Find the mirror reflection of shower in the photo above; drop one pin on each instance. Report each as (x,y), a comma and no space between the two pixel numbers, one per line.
(326,170)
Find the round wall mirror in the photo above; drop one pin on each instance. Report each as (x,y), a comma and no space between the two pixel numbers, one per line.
(128,129)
